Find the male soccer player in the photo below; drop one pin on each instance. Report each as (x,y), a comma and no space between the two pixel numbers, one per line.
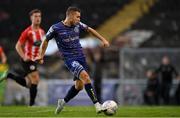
(2,56)
(66,33)
(28,49)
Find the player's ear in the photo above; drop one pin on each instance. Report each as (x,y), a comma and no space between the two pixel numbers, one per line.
(31,17)
(70,15)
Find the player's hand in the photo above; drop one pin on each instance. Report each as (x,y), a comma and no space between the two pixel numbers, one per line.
(25,58)
(106,43)
(39,60)
(4,61)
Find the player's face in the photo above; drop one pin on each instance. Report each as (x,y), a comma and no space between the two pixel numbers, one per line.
(166,61)
(76,16)
(149,74)
(36,18)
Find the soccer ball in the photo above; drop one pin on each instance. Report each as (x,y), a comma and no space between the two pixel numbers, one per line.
(111,107)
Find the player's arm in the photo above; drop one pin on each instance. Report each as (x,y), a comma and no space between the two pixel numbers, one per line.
(43,48)
(20,51)
(3,57)
(49,35)
(20,43)
(97,35)
(42,51)
(175,72)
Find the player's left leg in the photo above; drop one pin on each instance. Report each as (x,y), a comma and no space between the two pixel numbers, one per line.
(84,76)
(34,79)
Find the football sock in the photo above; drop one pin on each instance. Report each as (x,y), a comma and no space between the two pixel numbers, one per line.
(20,80)
(33,93)
(90,92)
(71,94)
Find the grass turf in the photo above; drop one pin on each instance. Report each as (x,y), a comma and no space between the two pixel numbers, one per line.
(86,111)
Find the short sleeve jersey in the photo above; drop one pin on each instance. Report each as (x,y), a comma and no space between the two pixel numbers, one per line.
(67,39)
(31,39)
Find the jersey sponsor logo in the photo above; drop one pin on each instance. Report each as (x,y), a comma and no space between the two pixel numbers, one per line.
(71,39)
(37,43)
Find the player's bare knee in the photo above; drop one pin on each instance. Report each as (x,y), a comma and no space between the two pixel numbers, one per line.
(85,78)
(79,87)
(34,80)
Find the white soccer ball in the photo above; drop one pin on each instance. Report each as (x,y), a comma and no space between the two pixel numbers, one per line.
(111,107)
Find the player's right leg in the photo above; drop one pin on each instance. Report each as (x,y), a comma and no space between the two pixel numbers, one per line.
(32,74)
(34,79)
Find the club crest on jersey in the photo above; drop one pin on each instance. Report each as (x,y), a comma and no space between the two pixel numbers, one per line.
(76,29)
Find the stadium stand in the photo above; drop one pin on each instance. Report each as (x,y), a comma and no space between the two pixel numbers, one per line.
(163,20)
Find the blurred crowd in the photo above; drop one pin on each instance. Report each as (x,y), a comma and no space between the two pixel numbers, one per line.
(159,85)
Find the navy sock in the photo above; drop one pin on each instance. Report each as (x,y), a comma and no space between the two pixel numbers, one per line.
(33,93)
(91,93)
(71,94)
(20,80)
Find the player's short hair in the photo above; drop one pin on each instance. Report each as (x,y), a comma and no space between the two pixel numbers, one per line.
(72,9)
(34,11)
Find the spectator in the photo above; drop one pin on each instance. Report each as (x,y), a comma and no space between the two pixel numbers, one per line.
(166,71)
(151,94)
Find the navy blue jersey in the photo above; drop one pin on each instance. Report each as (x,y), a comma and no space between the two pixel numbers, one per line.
(67,39)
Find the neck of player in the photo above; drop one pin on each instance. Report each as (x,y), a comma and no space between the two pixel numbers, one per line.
(67,22)
(35,27)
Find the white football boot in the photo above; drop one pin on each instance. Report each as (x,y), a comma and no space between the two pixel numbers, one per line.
(99,108)
(60,106)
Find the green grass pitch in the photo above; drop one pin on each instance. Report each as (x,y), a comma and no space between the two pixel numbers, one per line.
(89,111)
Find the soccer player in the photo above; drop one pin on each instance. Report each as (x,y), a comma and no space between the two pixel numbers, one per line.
(66,33)
(2,56)
(28,49)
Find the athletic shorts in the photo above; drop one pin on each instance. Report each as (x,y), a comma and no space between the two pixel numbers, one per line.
(29,66)
(76,66)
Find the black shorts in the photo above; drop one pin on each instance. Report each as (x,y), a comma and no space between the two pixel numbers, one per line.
(29,66)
